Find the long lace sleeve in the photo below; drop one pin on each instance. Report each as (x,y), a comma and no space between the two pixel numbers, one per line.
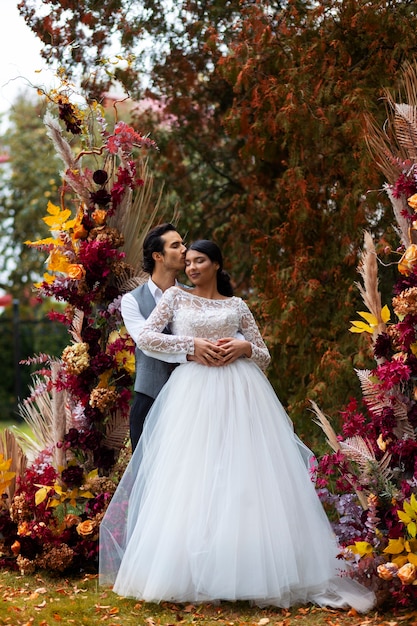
(250,331)
(152,338)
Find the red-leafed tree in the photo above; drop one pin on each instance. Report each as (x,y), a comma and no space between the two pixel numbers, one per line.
(262,146)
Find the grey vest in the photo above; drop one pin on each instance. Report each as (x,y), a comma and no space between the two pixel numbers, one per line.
(151,374)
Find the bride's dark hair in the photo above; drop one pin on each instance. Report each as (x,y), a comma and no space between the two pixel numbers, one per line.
(213,252)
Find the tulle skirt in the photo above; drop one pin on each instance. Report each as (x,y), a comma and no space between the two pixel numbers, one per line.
(217,502)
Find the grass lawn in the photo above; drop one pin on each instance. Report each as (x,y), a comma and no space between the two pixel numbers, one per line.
(40,600)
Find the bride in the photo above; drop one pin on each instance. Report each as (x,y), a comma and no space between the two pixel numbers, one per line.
(217,501)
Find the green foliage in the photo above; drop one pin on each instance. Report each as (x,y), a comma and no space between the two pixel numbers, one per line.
(25,331)
(27,181)
(261,127)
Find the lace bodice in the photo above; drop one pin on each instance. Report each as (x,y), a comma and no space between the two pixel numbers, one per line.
(190,316)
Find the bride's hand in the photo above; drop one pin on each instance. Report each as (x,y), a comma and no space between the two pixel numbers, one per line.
(207,353)
(233,349)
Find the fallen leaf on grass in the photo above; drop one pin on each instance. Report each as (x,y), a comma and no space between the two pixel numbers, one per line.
(263,621)
(40,606)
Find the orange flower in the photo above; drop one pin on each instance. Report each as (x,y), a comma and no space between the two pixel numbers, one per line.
(15,548)
(76,271)
(412,201)
(71,520)
(99,216)
(86,528)
(23,529)
(408,260)
(80,232)
(387,571)
(407,574)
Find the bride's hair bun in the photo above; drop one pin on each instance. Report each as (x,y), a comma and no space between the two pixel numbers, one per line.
(224,285)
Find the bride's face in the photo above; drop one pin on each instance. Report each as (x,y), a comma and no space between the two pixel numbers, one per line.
(200,269)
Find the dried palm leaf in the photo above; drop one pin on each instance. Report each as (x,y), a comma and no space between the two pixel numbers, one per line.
(368,269)
(384,466)
(377,400)
(360,451)
(117,430)
(76,326)
(11,449)
(128,283)
(334,443)
(396,142)
(372,394)
(325,425)
(384,148)
(45,414)
(62,147)
(405,126)
(399,206)
(135,217)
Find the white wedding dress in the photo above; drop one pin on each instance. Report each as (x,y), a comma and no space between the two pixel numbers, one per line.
(217,502)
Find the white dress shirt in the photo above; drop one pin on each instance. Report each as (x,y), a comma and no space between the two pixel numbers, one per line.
(134,321)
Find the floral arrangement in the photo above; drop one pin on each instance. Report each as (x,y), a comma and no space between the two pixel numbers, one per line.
(61,480)
(369,482)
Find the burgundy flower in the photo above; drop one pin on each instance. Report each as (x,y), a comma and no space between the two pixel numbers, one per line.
(382,347)
(100,197)
(73,476)
(90,440)
(100,177)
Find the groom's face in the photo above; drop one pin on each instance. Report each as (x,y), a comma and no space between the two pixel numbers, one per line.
(174,251)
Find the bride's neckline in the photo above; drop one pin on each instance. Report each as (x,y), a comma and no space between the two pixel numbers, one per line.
(190,293)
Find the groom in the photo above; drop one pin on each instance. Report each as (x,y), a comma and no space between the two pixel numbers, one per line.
(163,258)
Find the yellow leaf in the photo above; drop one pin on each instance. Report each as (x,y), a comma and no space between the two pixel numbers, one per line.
(361,548)
(404,517)
(41,495)
(385,314)
(45,242)
(92,474)
(412,558)
(4,463)
(360,327)
(400,560)
(86,494)
(409,510)
(413,502)
(412,529)
(395,546)
(369,317)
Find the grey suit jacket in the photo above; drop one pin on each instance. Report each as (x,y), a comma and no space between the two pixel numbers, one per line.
(151,374)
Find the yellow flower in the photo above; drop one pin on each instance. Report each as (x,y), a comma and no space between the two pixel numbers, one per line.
(408,260)
(126,360)
(372,322)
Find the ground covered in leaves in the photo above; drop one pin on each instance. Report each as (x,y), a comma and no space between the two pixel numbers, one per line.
(45,601)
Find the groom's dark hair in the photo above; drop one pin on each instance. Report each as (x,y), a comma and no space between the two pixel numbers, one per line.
(154,243)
